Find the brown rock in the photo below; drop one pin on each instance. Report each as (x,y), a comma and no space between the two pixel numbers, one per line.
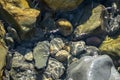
(64,26)
(62,4)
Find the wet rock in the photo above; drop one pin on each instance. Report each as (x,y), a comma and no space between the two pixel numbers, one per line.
(54,70)
(93,22)
(22,20)
(55,45)
(3,50)
(62,55)
(111,46)
(62,5)
(41,54)
(93,68)
(65,27)
(21,69)
(77,48)
(9,41)
(111,21)
(93,41)
(29,56)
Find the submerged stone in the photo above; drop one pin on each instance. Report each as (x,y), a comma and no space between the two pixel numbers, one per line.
(93,22)
(63,4)
(111,46)
(41,54)
(93,68)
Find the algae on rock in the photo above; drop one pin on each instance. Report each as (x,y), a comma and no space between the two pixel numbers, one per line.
(111,46)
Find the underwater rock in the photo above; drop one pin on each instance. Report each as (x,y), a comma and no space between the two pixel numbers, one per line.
(62,55)
(22,20)
(65,27)
(77,48)
(55,45)
(63,5)
(93,22)
(3,50)
(29,56)
(92,68)
(54,70)
(21,69)
(111,46)
(41,54)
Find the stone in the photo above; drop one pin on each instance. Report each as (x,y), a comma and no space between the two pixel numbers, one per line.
(55,45)
(41,54)
(93,68)
(54,70)
(62,55)
(29,56)
(21,69)
(22,20)
(77,48)
(62,5)
(3,49)
(92,23)
(111,46)
(65,27)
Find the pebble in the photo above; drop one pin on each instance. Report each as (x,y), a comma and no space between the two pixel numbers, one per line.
(29,56)
(62,55)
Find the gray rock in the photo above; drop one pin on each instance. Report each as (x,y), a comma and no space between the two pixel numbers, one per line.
(40,54)
(55,45)
(21,70)
(76,48)
(93,68)
(54,70)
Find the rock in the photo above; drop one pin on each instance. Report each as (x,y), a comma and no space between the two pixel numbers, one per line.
(21,69)
(9,41)
(93,22)
(41,54)
(62,55)
(22,20)
(62,5)
(93,68)
(77,48)
(29,56)
(3,50)
(110,21)
(93,41)
(54,70)
(55,45)
(111,46)
(65,27)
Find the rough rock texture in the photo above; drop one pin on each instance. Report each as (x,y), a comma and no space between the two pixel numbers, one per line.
(62,55)
(86,69)
(54,70)
(21,70)
(77,48)
(62,4)
(23,20)
(3,49)
(55,45)
(111,46)
(41,54)
(65,27)
(93,22)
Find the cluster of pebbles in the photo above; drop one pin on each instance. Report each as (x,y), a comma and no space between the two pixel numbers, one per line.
(60,39)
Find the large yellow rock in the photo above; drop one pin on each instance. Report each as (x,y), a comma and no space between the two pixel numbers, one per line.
(62,4)
(111,46)
(22,20)
(3,50)
(93,22)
